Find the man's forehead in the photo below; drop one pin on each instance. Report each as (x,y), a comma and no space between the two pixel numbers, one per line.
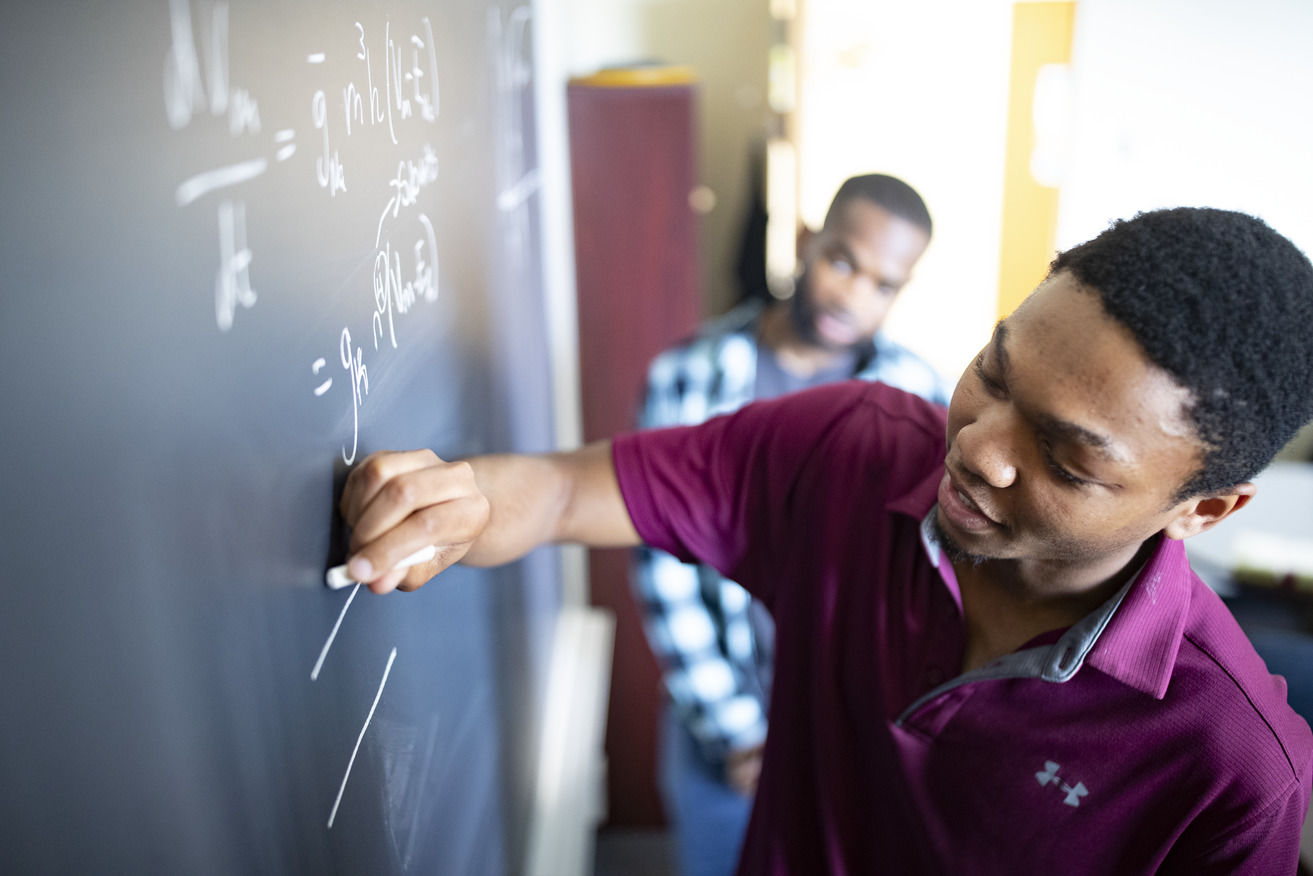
(1094,427)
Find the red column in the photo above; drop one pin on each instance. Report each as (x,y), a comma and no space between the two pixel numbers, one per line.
(633,163)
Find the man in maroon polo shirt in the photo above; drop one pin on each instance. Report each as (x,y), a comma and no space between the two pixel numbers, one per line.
(992,656)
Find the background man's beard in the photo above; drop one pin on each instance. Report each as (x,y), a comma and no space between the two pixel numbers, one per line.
(801,313)
(802,316)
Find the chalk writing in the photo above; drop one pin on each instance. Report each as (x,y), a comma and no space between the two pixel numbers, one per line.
(222,177)
(406,185)
(315,369)
(186,91)
(323,652)
(328,167)
(396,102)
(402,89)
(232,282)
(426,98)
(287,148)
(386,671)
(355,366)
(394,296)
(509,44)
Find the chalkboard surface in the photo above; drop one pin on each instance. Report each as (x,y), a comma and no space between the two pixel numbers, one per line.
(244,244)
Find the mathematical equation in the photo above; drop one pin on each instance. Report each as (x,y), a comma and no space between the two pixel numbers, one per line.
(382,86)
(378,87)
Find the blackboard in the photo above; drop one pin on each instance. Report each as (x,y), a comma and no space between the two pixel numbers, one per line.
(244,244)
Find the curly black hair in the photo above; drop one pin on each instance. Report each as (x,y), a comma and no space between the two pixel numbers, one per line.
(1225,305)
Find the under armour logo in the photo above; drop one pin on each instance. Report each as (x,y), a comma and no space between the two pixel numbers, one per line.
(1049,776)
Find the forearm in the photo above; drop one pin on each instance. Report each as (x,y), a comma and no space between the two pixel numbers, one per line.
(535,500)
(485,511)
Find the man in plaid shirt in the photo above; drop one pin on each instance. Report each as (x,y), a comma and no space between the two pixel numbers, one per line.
(714,644)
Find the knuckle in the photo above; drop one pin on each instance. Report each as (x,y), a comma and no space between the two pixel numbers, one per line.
(480,511)
(372,472)
(430,522)
(398,492)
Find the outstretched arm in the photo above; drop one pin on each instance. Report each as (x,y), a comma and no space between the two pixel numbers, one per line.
(483,511)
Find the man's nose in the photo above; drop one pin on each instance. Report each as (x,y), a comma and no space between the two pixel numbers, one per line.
(859,286)
(987,448)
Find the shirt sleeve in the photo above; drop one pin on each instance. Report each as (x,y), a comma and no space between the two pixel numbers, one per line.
(899,367)
(720,492)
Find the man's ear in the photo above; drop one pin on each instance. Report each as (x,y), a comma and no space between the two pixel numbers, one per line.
(1204,512)
(805,236)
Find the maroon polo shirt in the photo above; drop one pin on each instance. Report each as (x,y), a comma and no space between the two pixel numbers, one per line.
(1149,737)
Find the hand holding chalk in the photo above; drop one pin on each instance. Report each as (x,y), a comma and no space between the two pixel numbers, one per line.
(394,501)
(337,577)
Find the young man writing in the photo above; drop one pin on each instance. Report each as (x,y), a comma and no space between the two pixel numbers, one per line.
(991,654)
(714,645)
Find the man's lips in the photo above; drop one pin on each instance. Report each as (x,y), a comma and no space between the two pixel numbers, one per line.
(963,509)
(836,326)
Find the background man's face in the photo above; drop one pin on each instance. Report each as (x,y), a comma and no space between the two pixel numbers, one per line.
(1065,443)
(853,270)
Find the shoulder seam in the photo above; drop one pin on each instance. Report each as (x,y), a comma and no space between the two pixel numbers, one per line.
(1294,770)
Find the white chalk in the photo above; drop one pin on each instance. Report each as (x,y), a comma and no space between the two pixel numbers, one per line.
(337,577)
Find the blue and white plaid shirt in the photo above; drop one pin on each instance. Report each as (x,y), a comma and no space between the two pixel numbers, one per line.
(713,643)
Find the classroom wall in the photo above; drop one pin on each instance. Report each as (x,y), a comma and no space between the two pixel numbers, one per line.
(1191,102)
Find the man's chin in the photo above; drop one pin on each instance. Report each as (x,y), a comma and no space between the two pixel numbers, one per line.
(951,546)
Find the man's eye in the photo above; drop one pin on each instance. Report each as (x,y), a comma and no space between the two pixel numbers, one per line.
(1057,469)
(992,386)
(841,265)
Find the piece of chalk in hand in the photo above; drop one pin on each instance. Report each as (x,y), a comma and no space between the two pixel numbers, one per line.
(337,577)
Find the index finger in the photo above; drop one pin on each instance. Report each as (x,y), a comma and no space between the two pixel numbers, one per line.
(373,474)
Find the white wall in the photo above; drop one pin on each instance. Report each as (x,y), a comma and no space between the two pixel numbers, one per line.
(1192,102)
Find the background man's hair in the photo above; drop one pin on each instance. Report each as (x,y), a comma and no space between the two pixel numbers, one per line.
(889,192)
(1225,305)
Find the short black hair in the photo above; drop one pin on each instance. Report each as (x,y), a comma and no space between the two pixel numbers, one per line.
(1225,305)
(888,192)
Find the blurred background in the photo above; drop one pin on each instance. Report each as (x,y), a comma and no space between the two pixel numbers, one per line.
(1027,127)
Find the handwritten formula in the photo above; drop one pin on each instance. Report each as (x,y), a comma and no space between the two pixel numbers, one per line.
(382,85)
(376,88)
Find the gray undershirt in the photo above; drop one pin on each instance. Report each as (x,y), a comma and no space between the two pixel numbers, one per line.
(774,380)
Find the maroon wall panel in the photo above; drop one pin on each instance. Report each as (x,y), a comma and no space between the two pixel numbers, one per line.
(633,163)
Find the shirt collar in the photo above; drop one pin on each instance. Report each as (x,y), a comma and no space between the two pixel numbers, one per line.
(1133,637)
(1141,641)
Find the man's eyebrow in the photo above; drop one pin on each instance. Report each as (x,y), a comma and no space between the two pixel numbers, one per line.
(873,270)
(1063,429)
(841,248)
(997,341)
(1069,431)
